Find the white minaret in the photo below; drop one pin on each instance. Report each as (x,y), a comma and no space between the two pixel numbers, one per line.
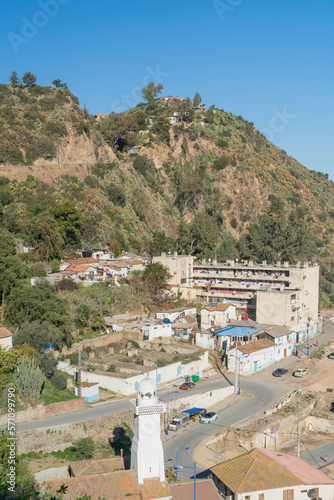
(147,455)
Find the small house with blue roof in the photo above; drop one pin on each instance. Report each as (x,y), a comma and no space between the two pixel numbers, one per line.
(224,338)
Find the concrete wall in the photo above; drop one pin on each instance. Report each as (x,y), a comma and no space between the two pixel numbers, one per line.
(129,386)
(44,411)
(204,400)
(151,332)
(180,267)
(6,343)
(205,340)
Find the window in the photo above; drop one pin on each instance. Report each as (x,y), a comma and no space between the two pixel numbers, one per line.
(261,496)
(288,495)
(247,497)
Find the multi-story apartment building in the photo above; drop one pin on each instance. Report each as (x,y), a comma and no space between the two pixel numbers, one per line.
(271,294)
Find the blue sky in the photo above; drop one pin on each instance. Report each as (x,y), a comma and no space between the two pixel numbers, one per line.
(269,61)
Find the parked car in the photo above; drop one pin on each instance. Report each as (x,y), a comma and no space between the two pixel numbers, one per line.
(187,385)
(331,355)
(207,418)
(300,372)
(279,372)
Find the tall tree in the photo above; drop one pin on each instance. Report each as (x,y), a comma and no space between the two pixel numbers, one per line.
(43,233)
(151,91)
(161,243)
(29,79)
(14,79)
(197,100)
(69,222)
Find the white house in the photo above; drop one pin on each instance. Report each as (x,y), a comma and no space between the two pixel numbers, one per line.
(174,314)
(6,338)
(283,338)
(206,340)
(219,314)
(151,332)
(251,357)
(270,475)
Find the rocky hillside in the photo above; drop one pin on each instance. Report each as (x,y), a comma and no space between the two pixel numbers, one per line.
(209,184)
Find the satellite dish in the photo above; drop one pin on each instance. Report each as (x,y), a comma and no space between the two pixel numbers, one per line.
(311,493)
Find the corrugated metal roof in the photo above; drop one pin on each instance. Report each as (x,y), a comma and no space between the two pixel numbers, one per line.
(237,331)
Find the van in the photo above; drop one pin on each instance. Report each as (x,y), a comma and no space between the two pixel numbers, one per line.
(179,421)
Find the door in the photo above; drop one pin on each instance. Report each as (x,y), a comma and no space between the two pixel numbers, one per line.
(255,366)
(285,353)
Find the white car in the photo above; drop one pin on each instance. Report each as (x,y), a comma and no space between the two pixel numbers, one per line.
(207,418)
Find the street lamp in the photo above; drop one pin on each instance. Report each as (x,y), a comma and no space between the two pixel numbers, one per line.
(169,392)
(307,342)
(237,370)
(156,372)
(194,469)
(184,449)
(272,437)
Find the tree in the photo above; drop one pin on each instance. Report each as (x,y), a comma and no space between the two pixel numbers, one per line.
(29,380)
(38,335)
(29,79)
(156,276)
(24,480)
(69,222)
(14,79)
(151,91)
(199,238)
(43,233)
(197,100)
(161,243)
(119,130)
(7,243)
(161,128)
(187,193)
(58,84)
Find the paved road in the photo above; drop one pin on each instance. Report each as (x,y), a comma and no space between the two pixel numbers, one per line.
(117,406)
(262,394)
(315,456)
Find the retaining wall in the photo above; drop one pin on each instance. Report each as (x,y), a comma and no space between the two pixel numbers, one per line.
(44,411)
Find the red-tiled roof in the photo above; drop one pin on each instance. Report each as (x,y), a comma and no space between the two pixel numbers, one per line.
(185,491)
(4,333)
(83,260)
(81,268)
(117,485)
(92,467)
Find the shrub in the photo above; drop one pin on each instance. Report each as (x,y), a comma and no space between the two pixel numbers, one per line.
(162,362)
(220,163)
(112,368)
(142,164)
(84,448)
(116,194)
(59,380)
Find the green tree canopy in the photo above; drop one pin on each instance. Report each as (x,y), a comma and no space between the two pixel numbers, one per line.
(43,233)
(197,100)
(69,221)
(200,237)
(119,130)
(151,91)
(29,79)
(58,84)
(38,335)
(161,243)
(14,79)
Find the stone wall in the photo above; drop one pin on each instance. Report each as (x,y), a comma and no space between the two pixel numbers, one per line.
(104,340)
(44,411)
